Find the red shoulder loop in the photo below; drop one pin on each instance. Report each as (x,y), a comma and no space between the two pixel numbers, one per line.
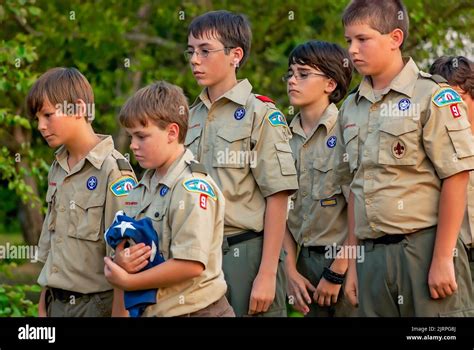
(264,98)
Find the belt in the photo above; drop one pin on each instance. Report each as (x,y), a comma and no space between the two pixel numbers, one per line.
(65,295)
(242,237)
(317,249)
(387,239)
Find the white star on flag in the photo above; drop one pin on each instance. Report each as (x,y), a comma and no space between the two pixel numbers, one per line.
(123,226)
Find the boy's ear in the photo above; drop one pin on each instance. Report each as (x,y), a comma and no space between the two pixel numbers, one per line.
(238,54)
(330,86)
(396,37)
(173,132)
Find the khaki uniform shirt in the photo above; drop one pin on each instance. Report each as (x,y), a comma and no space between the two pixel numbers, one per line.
(467,228)
(187,212)
(82,203)
(243,143)
(318,216)
(399,148)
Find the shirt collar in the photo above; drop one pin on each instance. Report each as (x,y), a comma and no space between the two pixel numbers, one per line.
(328,119)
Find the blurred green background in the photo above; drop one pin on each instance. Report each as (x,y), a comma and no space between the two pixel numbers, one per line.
(121,46)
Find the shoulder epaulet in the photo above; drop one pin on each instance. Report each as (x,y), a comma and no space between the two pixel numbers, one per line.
(264,98)
(123,164)
(438,79)
(198,168)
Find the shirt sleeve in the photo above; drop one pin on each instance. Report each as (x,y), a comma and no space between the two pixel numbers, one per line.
(196,219)
(447,135)
(115,201)
(274,169)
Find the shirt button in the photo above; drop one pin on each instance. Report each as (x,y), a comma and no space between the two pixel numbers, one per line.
(62,209)
(366,153)
(305,194)
(368,201)
(157,214)
(304,170)
(59,240)
(371,129)
(372,225)
(305,145)
(55,269)
(305,217)
(66,180)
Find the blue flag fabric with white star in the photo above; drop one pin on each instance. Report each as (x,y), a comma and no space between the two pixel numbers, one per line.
(140,231)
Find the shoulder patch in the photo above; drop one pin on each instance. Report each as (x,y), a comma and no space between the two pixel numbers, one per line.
(264,98)
(276,119)
(446,97)
(123,186)
(200,186)
(198,168)
(123,164)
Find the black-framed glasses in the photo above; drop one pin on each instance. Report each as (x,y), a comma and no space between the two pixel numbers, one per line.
(300,75)
(188,54)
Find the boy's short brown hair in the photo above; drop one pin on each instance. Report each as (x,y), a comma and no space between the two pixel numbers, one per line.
(231,29)
(457,70)
(161,103)
(61,87)
(381,15)
(329,58)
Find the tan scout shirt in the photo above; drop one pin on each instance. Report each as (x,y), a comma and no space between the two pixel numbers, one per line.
(243,143)
(400,148)
(467,228)
(187,211)
(318,214)
(81,206)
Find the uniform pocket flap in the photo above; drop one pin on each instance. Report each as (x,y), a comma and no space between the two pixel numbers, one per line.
(398,127)
(283,147)
(91,201)
(323,164)
(192,135)
(459,124)
(234,134)
(350,133)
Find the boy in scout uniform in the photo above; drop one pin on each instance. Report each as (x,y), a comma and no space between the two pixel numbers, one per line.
(406,149)
(185,205)
(87,184)
(459,72)
(319,74)
(242,140)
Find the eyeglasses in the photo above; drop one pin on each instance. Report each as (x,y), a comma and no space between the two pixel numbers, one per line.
(300,76)
(188,54)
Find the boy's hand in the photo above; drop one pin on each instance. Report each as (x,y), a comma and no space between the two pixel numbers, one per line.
(441,278)
(115,274)
(132,259)
(298,287)
(326,293)
(351,290)
(263,293)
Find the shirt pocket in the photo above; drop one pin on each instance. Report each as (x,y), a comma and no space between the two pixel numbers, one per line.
(399,142)
(324,185)
(52,214)
(86,217)
(158,219)
(351,141)
(232,148)
(285,158)
(461,138)
(192,140)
